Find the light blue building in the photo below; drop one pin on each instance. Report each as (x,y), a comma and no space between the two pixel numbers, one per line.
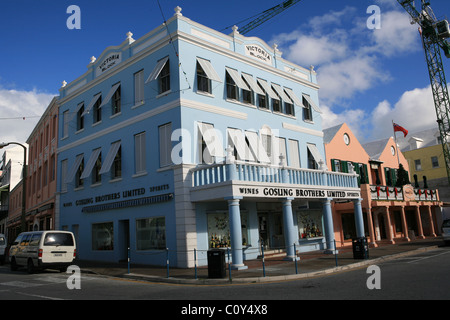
(188,139)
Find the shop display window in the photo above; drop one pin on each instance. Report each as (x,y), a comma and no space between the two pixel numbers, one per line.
(309,224)
(219,230)
(103,236)
(151,234)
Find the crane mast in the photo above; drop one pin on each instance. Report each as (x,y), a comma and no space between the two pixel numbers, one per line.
(433,35)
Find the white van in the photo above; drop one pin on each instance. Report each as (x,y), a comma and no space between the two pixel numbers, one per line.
(43,249)
(2,248)
(446,231)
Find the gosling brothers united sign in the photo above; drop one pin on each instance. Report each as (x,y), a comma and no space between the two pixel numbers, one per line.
(281,192)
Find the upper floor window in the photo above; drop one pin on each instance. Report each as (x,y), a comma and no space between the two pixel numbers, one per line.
(434,162)
(80,117)
(232,88)
(205,74)
(164,78)
(116,102)
(203,82)
(165,145)
(97,110)
(78,180)
(65,124)
(139,152)
(418,165)
(162,73)
(96,176)
(116,170)
(139,88)
(307,110)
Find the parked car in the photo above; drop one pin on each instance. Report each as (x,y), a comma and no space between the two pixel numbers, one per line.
(43,249)
(446,231)
(2,248)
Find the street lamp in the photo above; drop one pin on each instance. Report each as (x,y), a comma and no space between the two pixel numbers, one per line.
(24,180)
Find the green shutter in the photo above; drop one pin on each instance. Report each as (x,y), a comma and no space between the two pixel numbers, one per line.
(333,166)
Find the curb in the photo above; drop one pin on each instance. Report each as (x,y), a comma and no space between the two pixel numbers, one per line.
(289,277)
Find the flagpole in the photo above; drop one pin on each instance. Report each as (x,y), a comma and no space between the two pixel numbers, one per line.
(396,145)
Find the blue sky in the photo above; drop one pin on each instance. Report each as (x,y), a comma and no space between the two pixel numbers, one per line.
(368,77)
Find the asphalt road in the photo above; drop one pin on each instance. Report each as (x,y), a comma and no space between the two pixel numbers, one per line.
(419,277)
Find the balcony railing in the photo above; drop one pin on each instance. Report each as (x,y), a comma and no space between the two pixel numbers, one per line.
(255,172)
(397,194)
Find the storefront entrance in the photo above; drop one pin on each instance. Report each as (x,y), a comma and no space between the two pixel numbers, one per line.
(270,229)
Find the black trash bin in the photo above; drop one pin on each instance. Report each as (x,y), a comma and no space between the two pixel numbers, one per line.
(360,248)
(216,263)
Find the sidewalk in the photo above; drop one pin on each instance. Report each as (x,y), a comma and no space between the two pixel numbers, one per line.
(311,264)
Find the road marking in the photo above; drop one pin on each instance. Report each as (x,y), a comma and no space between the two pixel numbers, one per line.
(420,259)
(39,296)
(20,284)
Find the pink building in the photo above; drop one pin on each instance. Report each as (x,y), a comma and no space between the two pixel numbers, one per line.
(41,175)
(390,213)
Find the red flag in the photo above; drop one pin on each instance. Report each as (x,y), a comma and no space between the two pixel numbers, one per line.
(400,128)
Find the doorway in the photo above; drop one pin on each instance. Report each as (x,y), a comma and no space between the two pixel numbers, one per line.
(263,230)
(270,229)
(124,239)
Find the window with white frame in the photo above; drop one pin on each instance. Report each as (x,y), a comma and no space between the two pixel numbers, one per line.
(96,176)
(116,170)
(139,88)
(307,110)
(116,102)
(66,120)
(418,164)
(294,154)
(164,78)
(165,144)
(97,110)
(64,167)
(80,117)
(434,162)
(139,153)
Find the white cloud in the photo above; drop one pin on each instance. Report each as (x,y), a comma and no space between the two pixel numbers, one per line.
(20,112)
(396,35)
(347,55)
(308,50)
(341,80)
(415,111)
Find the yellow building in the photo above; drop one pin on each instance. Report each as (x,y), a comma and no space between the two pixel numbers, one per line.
(423,150)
